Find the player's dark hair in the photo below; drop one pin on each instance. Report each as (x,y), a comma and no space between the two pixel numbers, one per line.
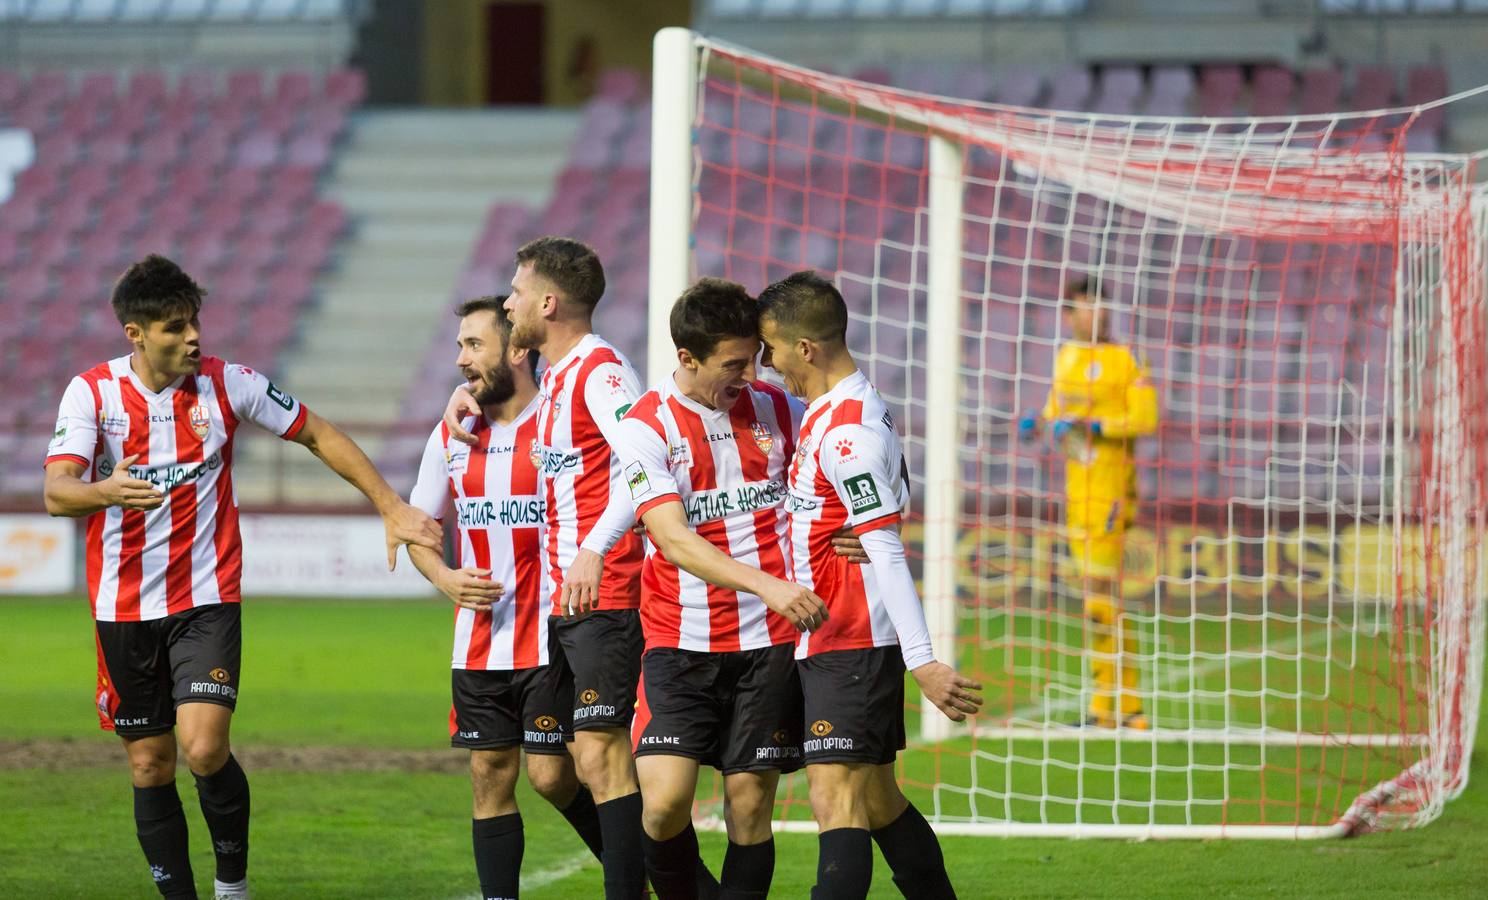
(154,290)
(710,311)
(1085,285)
(806,305)
(496,303)
(572,266)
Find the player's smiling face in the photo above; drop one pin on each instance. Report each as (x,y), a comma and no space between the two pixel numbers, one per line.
(718,381)
(483,358)
(526,304)
(783,356)
(169,347)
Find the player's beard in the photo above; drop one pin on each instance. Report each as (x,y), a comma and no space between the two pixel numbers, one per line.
(496,385)
(527,335)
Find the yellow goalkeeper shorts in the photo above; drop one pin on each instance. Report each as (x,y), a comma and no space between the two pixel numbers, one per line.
(1097,535)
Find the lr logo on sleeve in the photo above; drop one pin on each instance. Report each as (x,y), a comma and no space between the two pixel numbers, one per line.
(280,397)
(862,493)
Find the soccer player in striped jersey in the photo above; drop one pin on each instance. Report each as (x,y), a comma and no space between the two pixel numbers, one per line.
(586,389)
(849,469)
(511,691)
(704,456)
(143,448)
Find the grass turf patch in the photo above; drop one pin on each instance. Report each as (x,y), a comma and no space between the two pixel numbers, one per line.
(372,677)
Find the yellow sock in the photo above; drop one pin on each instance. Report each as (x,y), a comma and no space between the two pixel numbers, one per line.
(1100,614)
(1104,620)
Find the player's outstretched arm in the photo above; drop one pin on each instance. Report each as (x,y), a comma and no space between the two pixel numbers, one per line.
(67,494)
(402,523)
(461,405)
(666,523)
(467,588)
(952,694)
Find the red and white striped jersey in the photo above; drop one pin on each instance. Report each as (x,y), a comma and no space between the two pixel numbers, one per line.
(584,396)
(499,511)
(187,552)
(727,469)
(849,469)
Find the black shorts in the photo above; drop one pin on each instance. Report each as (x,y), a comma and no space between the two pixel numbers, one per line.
(854,702)
(738,711)
(603,651)
(147,669)
(499,708)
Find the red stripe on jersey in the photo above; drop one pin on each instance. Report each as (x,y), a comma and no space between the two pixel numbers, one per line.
(661,614)
(756,467)
(474,481)
(66,457)
(723,603)
(880,522)
(297,425)
(178,574)
(93,564)
(105,698)
(526,555)
(647,410)
(642,716)
(620,586)
(655,502)
(782,415)
(132,521)
(555,381)
(851,624)
(227,541)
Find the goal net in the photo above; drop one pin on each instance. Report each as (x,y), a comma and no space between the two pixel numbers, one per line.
(1293,645)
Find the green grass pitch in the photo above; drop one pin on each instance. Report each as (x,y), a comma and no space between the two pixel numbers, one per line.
(346,703)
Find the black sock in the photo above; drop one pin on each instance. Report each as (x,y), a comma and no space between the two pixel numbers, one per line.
(224,804)
(911,849)
(747,871)
(707,885)
(624,860)
(498,854)
(844,866)
(672,864)
(582,814)
(161,827)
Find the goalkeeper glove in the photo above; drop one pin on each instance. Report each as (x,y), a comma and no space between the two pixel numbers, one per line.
(1063,427)
(1027,425)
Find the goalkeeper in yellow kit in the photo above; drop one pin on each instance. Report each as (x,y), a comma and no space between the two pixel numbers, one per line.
(1100,402)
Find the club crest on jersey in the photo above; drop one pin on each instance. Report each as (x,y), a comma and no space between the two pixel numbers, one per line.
(201,419)
(534,453)
(1093,371)
(763,439)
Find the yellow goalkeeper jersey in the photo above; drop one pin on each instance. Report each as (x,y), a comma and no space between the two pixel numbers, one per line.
(1102,383)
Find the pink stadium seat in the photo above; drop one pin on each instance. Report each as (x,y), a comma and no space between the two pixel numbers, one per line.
(309,150)
(1271,91)
(346,87)
(294,88)
(11,86)
(1374,87)
(245,88)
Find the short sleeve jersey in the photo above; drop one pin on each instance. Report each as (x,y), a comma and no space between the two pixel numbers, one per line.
(188,552)
(584,396)
(849,470)
(727,469)
(500,514)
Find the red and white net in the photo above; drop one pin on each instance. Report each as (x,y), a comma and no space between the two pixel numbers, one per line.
(1303,580)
